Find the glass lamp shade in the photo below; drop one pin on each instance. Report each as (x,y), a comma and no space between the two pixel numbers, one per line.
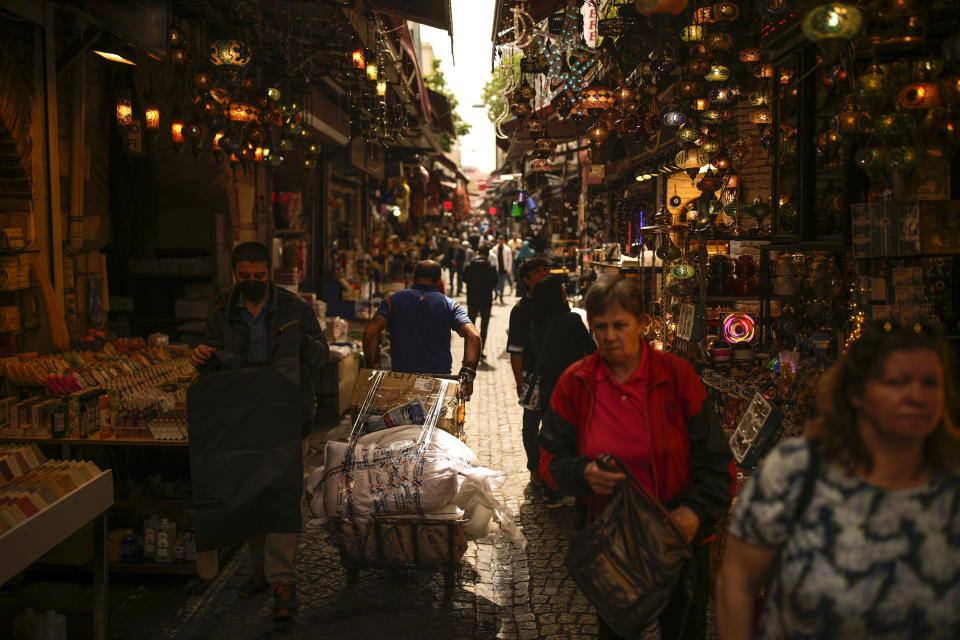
(689,88)
(696,67)
(903,158)
(701,104)
(151,116)
(919,95)
(692,33)
(597,97)
(688,135)
(762,71)
(682,271)
(758,98)
(717,73)
(726,11)
(381,88)
(521,109)
(358,58)
(230,53)
(242,112)
(535,127)
(873,84)
(691,158)
(176,131)
(541,165)
(721,95)
(710,146)
(761,115)
(870,158)
(598,133)
(624,95)
(712,116)
(674,118)
(750,55)
(718,41)
(274,94)
(124,110)
(526,92)
(372,71)
(832,21)
(703,15)
(545,144)
(721,161)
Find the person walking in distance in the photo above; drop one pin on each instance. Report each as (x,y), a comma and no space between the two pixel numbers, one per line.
(502,258)
(521,357)
(246,323)
(420,320)
(481,279)
(455,261)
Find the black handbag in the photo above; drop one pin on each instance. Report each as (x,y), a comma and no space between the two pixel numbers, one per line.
(629,561)
(530,390)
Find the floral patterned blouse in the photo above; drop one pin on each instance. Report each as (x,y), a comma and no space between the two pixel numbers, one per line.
(862,562)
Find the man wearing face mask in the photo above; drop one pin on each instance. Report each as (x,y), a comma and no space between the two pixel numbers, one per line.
(250,326)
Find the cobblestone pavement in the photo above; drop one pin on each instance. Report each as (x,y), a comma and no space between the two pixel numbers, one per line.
(501,591)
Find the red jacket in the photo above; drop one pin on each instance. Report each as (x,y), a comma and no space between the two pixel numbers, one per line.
(689,454)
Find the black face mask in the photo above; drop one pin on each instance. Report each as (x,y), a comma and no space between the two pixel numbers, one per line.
(253,290)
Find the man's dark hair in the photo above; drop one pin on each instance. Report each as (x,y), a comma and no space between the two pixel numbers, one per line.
(483,250)
(532,264)
(250,252)
(427,270)
(610,291)
(548,297)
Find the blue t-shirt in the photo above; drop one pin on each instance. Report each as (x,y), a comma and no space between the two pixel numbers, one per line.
(420,320)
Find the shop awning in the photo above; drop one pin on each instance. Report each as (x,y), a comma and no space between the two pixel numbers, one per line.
(442,112)
(433,13)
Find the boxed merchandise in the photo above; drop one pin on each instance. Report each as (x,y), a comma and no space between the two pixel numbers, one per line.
(398,394)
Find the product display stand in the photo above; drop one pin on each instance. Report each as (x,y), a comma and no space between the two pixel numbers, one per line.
(34,537)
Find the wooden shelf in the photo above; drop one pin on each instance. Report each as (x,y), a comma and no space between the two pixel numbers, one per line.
(35,536)
(96,440)
(280,233)
(17,252)
(170,568)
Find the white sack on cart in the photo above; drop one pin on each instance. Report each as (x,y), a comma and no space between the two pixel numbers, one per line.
(446,458)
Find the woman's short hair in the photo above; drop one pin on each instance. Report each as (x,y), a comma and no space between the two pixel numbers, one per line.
(835,424)
(609,291)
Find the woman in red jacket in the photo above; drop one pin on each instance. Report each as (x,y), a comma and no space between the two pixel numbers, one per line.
(649,409)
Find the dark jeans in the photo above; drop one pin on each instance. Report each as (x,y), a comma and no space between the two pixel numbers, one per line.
(531,429)
(503,278)
(672,617)
(484,313)
(455,288)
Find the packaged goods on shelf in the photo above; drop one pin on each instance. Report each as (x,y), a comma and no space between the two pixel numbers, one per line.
(25,495)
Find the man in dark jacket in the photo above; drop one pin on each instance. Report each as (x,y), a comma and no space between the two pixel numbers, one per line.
(481,278)
(244,328)
(455,261)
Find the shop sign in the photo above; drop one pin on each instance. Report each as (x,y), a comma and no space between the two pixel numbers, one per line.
(133,133)
(589,12)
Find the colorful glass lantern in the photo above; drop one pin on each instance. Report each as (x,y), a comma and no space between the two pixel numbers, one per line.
(176,131)
(919,95)
(688,135)
(750,55)
(713,116)
(696,67)
(597,97)
(758,98)
(832,21)
(545,145)
(717,73)
(721,161)
(521,109)
(762,71)
(124,109)
(242,112)
(598,133)
(718,41)
(710,146)
(624,95)
(682,271)
(726,11)
(230,53)
(372,71)
(703,15)
(701,104)
(541,165)
(721,95)
(381,87)
(674,118)
(873,84)
(274,94)
(738,327)
(535,127)
(903,158)
(151,116)
(525,91)
(692,33)
(358,58)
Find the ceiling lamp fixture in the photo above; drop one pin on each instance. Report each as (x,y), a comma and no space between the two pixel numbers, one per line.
(116,50)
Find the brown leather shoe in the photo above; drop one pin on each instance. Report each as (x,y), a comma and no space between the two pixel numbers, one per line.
(256,583)
(284,601)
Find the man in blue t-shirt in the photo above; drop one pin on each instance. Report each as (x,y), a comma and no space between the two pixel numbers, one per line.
(420,320)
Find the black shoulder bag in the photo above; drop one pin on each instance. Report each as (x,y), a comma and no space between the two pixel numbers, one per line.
(629,561)
(530,391)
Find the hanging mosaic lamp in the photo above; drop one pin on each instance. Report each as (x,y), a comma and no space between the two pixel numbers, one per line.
(832,21)
(597,97)
(718,41)
(689,88)
(696,67)
(750,55)
(721,96)
(624,95)
(241,112)
(541,165)
(701,104)
(230,53)
(674,118)
(691,34)
(919,95)
(545,145)
(717,73)
(726,11)
(598,133)
(151,113)
(124,109)
(688,135)
(535,127)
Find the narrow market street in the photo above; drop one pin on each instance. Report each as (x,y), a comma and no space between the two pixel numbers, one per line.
(501,592)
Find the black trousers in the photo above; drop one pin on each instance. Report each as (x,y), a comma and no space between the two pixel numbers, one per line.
(484,313)
(672,617)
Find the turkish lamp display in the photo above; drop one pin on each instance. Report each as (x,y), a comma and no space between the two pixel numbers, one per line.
(717,73)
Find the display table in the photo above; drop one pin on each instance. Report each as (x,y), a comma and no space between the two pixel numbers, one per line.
(34,537)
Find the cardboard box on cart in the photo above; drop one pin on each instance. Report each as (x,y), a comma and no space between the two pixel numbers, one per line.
(397,389)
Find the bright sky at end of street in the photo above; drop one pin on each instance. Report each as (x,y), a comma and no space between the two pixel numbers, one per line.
(472,24)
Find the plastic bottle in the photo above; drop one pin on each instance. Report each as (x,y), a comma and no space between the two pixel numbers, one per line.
(25,625)
(166,534)
(53,626)
(150,537)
